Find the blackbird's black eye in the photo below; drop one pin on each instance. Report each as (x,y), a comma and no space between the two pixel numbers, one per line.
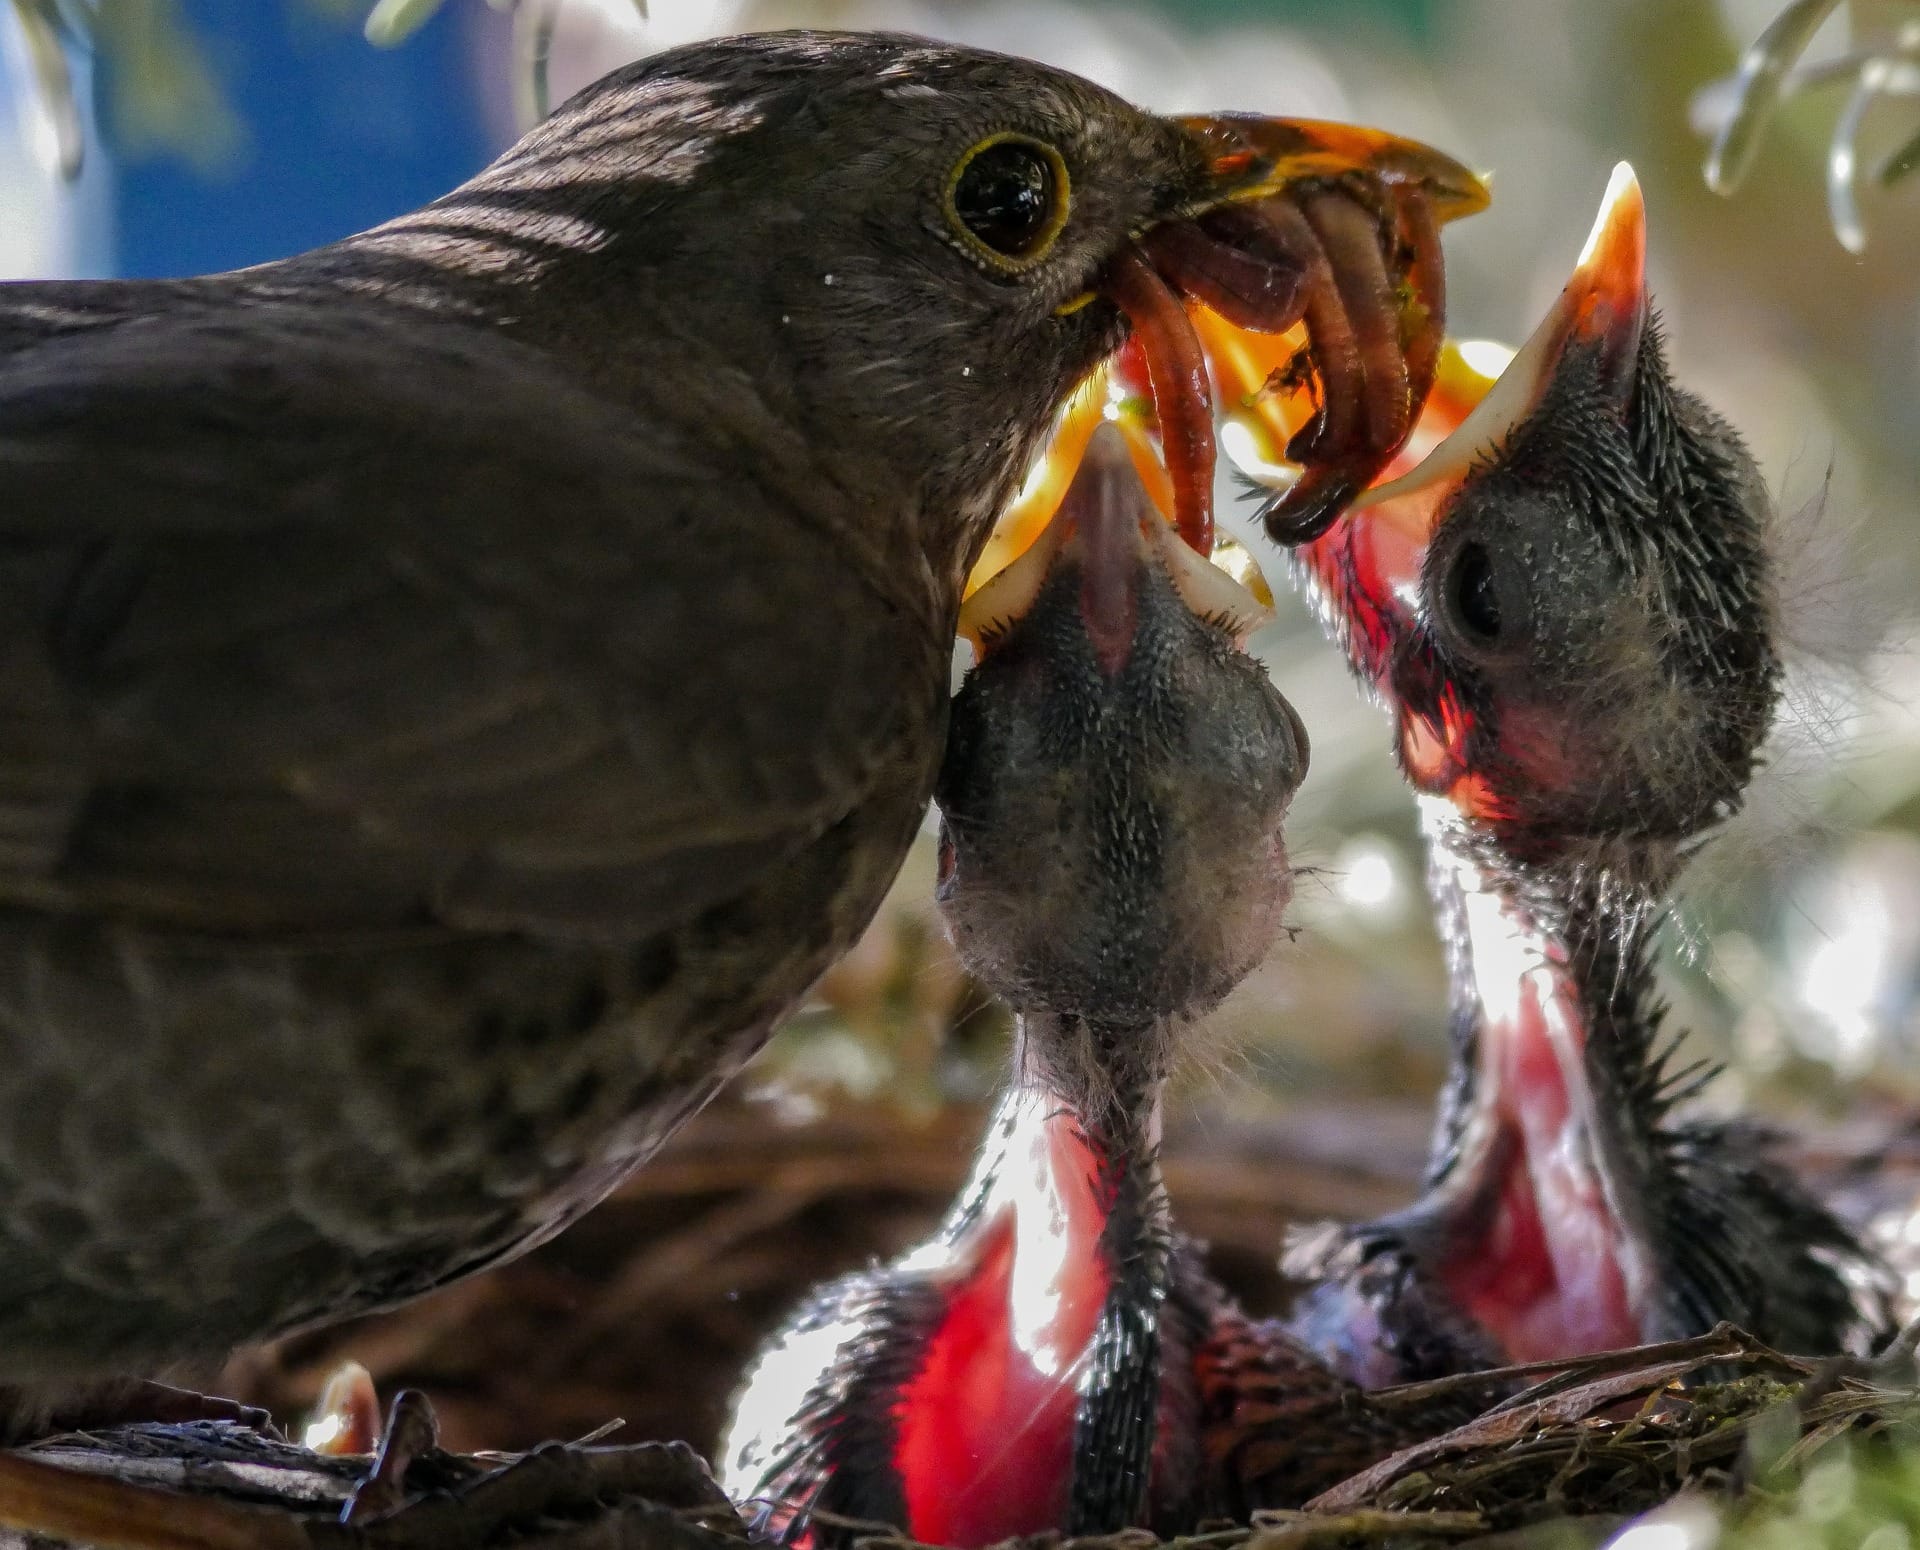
(1008,199)
(1473,596)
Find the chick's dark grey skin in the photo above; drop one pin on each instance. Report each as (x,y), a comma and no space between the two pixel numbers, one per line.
(1116,771)
(1116,777)
(459,686)
(1569,610)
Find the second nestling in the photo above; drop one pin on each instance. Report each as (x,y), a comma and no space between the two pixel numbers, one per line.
(1109,890)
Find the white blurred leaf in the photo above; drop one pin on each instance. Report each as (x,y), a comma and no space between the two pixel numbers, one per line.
(1757,89)
(62,139)
(392,22)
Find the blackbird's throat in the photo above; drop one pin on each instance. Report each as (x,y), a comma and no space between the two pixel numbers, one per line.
(1052,1268)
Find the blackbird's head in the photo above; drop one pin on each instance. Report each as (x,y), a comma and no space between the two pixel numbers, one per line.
(1568,604)
(894,250)
(1117,771)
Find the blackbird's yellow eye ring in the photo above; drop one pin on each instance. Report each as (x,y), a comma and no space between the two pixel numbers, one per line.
(1007,200)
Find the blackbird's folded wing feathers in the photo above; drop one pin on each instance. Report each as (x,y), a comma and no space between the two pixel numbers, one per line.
(313,622)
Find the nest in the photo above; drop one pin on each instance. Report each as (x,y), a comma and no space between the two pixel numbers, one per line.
(1563,1462)
(649,1308)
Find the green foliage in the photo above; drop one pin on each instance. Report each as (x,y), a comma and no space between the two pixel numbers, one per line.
(165,96)
(1850,1494)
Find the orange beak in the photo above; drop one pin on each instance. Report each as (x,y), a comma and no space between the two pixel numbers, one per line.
(1251,157)
(1107,528)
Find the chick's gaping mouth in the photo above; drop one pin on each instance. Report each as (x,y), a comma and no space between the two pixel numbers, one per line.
(1104,529)
(1364,559)
(1366,570)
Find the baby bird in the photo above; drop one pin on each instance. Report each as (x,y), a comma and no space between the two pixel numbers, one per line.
(1568,608)
(1112,863)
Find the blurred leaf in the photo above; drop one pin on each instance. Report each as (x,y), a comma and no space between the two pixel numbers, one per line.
(1763,69)
(164,94)
(1843,202)
(533,24)
(65,139)
(392,22)
(1884,60)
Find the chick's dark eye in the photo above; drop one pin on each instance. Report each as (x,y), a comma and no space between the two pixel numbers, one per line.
(1008,197)
(1471,591)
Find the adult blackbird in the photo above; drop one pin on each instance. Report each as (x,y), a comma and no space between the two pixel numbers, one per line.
(460,685)
(1569,610)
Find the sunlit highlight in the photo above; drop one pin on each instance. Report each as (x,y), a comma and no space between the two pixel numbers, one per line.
(1681,1525)
(985,1426)
(1037,1293)
(1369,880)
(1487,358)
(1555,1273)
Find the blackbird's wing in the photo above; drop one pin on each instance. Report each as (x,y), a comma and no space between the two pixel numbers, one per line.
(315,621)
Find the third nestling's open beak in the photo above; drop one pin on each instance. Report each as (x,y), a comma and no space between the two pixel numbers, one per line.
(1113,723)
(1386,570)
(1298,222)
(1371,564)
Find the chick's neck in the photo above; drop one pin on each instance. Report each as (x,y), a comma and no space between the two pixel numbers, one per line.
(1034,1405)
(1545,1241)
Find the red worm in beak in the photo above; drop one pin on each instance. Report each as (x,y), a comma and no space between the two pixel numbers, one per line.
(1426,292)
(1229,269)
(1182,395)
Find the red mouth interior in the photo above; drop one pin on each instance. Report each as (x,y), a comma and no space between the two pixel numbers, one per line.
(1539,1257)
(985,1428)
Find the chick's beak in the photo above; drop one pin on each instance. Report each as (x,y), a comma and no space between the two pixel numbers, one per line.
(1269,274)
(1370,563)
(1110,532)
